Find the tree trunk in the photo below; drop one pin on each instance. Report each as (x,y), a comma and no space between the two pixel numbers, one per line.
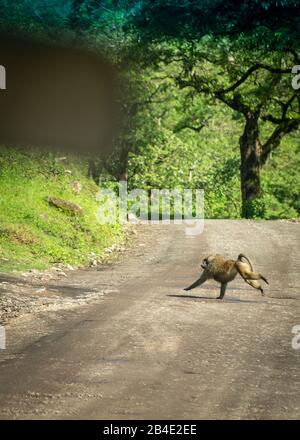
(250,150)
(123,167)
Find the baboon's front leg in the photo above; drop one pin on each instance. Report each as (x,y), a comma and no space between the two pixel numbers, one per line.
(200,281)
(222,291)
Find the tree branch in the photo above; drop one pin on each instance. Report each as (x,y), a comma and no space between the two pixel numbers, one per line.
(186,125)
(284,109)
(235,103)
(274,141)
(249,72)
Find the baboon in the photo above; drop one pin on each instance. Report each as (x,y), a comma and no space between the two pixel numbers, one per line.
(224,271)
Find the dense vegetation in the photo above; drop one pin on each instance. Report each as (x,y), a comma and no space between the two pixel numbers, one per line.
(32,232)
(207,96)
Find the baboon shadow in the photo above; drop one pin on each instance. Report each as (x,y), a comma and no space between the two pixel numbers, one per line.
(209,298)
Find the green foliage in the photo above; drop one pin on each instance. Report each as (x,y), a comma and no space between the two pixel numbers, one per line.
(174,58)
(167,153)
(34,234)
(254,208)
(208,160)
(254,22)
(281,181)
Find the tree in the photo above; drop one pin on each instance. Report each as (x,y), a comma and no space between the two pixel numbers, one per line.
(267,21)
(260,91)
(237,53)
(217,45)
(140,93)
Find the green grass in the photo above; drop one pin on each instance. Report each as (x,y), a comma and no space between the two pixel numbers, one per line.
(34,234)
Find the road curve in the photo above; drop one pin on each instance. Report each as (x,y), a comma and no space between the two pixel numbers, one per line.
(150,350)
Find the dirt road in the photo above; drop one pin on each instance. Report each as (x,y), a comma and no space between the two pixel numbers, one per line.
(147,349)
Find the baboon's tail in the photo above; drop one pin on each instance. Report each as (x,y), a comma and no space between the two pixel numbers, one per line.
(241,256)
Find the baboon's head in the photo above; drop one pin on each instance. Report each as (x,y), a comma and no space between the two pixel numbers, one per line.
(207,261)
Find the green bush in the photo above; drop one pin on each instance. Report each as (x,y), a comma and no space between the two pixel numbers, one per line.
(34,234)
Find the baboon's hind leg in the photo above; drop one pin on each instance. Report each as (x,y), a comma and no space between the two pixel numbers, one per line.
(247,274)
(256,284)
